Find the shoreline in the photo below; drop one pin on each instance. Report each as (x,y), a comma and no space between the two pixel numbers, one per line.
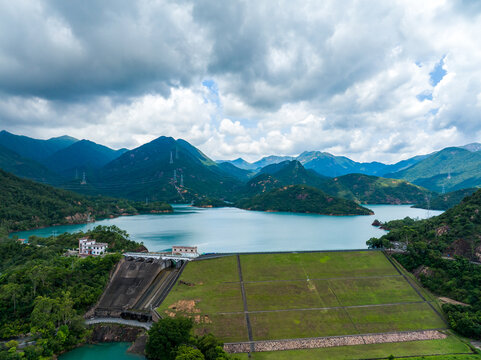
(153,212)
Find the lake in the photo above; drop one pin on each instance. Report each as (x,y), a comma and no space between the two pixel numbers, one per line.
(236,230)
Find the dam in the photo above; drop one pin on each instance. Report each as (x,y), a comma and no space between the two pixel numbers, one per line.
(138,284)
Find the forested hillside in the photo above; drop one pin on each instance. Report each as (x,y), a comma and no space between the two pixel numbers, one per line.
(302,199)
(439,251)
(44,294)
(25,204)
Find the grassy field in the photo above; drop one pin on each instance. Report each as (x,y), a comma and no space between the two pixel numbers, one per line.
(302,295)
(314,265)
(451,345)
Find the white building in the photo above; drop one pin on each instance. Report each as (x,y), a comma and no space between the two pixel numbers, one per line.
(188,251)
(88,247)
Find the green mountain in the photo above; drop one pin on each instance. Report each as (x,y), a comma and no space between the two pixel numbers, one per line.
(80,156)
(368,189)
(281,174)
(34,149)
(302,199)
(360,188)
(25,204)
(12,162)
(445,201)
(164,169)
(331,165)
(236,172)
(449,169)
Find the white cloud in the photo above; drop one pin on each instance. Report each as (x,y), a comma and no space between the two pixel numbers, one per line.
(339,77)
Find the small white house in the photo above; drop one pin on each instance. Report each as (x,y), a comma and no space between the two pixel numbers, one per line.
(90,247)
(188,251)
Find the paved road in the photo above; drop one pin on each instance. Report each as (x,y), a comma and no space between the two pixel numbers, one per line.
(145,325)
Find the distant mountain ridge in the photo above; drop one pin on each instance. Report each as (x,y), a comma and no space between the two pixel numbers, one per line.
(148,172)
(81,155)
(34,149)
(449,169)
(330,165)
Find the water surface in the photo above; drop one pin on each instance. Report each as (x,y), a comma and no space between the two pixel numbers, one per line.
(104,351)
(233,230)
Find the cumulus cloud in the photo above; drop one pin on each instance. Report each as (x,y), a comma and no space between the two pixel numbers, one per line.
(373,80)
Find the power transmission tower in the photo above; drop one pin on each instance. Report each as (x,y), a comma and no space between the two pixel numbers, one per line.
(84,181)
(182,180)
(428,202)
(175,175)
(171,159)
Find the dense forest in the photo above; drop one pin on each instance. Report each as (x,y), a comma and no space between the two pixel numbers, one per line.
(442,251)
(44,293)
(25,204)
(302,199)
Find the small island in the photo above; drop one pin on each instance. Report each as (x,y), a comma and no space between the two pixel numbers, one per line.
(302,199)
(207,202)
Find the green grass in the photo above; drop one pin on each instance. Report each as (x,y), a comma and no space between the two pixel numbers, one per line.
(227,328)
(315,265)
(289,295)
(372,291)
(212,271)
(301,324)
(295,283)
(395,318)
(445,346)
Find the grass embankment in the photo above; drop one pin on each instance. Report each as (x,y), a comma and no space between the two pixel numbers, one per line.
(303,295)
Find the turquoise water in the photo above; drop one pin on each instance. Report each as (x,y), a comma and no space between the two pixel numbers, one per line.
(105,351)
(232,230)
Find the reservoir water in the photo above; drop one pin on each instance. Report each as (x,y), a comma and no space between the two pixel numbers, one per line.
(236,230)
(105,351)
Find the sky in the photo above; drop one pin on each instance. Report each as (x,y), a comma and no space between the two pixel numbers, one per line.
(371,80)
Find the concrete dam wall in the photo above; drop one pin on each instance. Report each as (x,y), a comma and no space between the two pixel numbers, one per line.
(134,287)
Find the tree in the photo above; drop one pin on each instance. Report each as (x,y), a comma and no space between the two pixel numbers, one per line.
(166,335)
(185,352)
(211,347)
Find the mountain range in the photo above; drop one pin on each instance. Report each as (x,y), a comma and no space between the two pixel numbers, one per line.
(175,171)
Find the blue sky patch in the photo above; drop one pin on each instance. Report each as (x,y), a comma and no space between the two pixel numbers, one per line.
(438,72)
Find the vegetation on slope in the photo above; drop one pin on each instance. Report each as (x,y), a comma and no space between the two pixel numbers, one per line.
(360,188)
(453,168)
(368,189)
(302,199)
(80,156)
(207,202)
(25,204)
(44,294)
(445,201)
(164,169)
(26,168)
(438,252)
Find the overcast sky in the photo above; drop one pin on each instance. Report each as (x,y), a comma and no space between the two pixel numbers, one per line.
(372,80)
